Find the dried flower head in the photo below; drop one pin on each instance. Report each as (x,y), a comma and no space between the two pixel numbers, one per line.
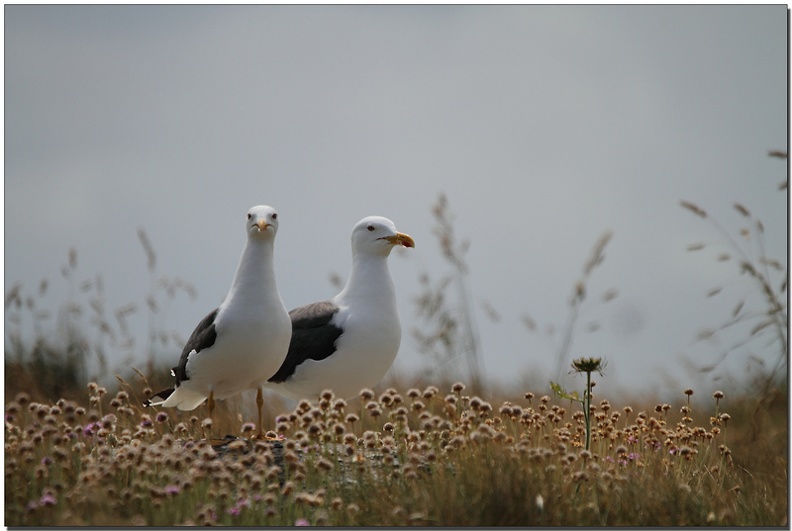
(366,394)
(22,399)
(588,365)
(430,392)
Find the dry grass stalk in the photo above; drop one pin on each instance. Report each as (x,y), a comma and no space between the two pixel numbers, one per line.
(772,318)
(452,329)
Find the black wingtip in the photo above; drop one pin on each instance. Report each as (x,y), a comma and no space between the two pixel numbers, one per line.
(164,394)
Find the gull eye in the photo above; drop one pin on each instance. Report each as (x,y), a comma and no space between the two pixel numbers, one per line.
(274,215)
(250,216)
(370,228)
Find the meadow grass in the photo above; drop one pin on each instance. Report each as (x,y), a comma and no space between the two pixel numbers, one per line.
(399,457)
(416,452)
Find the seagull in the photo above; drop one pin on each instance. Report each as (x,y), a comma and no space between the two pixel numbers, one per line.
(349,342)
(242,342)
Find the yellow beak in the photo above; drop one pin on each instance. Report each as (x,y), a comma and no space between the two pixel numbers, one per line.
(262,225)
(402,239)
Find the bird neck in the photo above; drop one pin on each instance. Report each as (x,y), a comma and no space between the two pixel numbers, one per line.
(255,275)
(369,279)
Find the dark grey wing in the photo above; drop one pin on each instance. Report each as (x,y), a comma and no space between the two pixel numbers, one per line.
(203,336)
(313,337)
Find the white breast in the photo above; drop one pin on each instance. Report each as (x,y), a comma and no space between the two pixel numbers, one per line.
(248,350)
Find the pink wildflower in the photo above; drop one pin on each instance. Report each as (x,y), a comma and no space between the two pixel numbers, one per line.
(48,499)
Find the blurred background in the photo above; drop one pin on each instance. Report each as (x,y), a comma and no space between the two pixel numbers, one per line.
(569,174)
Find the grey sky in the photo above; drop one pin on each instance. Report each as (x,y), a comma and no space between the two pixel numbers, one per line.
(545,126)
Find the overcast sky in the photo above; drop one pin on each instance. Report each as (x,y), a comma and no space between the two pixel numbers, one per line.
(545,127)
